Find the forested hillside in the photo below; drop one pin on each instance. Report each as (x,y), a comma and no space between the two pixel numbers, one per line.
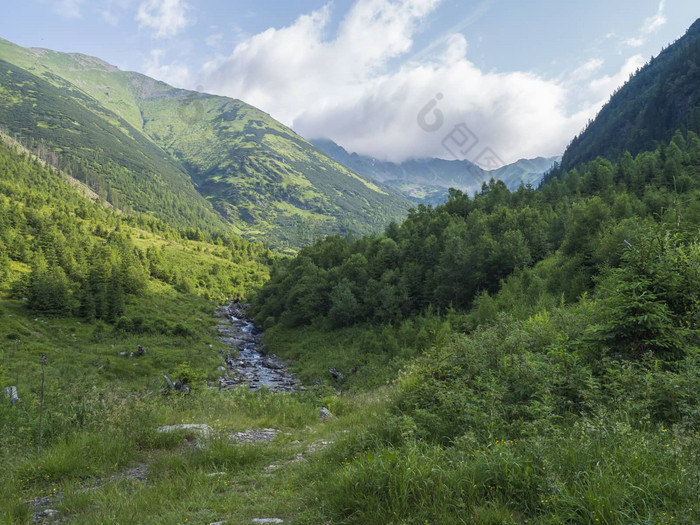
(66,127)
(664,96)
(536,333)
(555,239)
(66,255)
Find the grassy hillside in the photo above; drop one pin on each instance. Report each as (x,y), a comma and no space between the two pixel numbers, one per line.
(258,173)
(261,177)
(71,130)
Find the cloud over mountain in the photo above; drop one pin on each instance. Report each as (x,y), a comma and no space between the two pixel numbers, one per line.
(346,86)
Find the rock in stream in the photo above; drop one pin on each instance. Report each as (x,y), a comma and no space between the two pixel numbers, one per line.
(252,367)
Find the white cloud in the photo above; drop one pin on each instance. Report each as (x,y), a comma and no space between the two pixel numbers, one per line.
(69,8)
(604,86)
(650,25)
(654,23)
(347,86)
(174,74)
(586,70)
(343,88)
(166,18)
(634,42)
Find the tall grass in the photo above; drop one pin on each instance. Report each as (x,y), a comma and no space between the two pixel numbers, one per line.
(596,471)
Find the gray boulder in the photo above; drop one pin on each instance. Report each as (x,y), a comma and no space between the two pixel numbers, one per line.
(11,392)
(204,430)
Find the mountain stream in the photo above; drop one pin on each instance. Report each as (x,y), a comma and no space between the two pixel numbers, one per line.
(253,367)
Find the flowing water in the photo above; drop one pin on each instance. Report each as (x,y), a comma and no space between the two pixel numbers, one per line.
(252,367)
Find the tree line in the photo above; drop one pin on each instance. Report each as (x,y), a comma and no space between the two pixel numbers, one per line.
(527,247)
(65,255)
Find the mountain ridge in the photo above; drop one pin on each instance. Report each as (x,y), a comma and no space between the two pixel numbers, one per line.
(428,180)
(260,177)
(661,98)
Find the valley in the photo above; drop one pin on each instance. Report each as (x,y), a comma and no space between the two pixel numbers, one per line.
(206,318)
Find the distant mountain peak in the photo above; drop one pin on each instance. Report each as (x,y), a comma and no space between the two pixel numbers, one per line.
(427,180)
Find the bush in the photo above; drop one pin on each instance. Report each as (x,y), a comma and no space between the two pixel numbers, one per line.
(124,325)
(652,302)
(181,330)
(188,375)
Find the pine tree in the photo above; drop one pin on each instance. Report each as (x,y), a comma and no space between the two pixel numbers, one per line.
(115,298)
(4,263)
(87,302)
(48,289)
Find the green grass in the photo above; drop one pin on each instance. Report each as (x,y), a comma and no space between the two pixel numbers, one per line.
(368,356)
(389,461)
(85,469)
(599,471)
(101,411)
(90,352)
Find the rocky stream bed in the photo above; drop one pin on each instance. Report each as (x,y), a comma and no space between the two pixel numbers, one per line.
(252,367)
(249,366)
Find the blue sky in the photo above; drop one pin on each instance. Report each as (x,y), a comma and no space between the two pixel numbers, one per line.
(524,77)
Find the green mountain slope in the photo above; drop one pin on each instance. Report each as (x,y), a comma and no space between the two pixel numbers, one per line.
(98,147)
(260,176)
(664,96)
(52,222)
(524,171)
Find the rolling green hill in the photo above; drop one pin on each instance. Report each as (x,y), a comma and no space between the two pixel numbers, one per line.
(260,176)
